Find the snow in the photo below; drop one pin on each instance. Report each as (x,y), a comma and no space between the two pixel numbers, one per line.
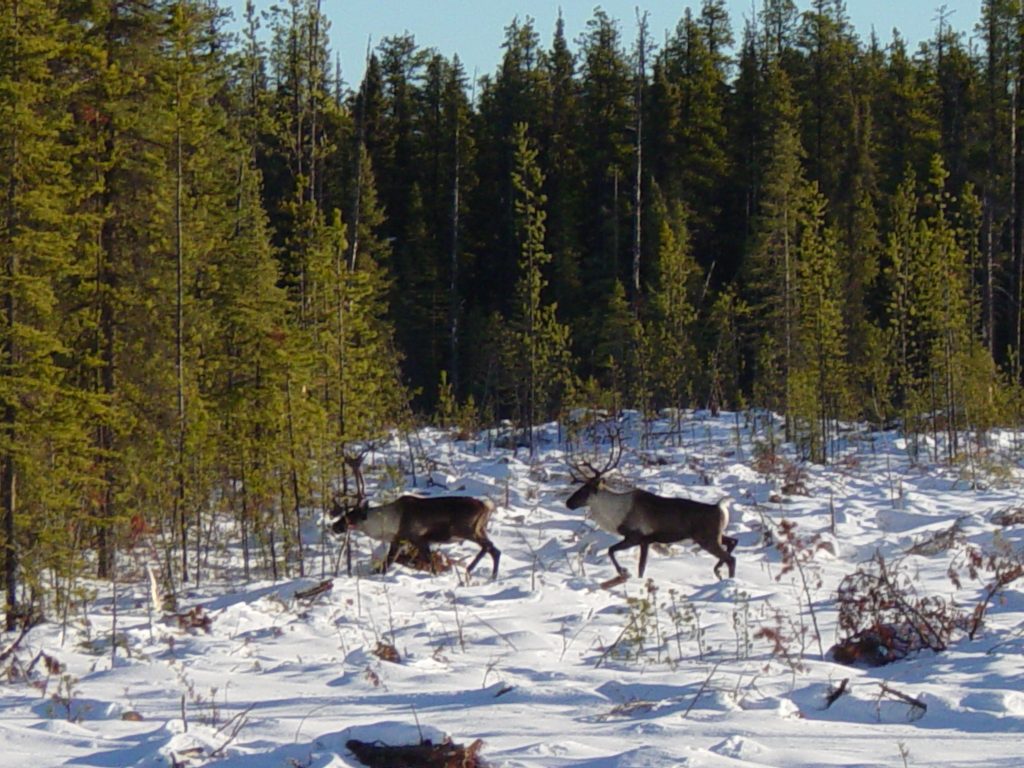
(543,665)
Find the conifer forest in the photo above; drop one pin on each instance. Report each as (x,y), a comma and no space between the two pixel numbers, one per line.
(226,270)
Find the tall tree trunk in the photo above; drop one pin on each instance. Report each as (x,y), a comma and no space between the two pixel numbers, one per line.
(641,73)
(179,357)
(106,344)
(294,482)
(453,280)
(9,355)
(1016,180)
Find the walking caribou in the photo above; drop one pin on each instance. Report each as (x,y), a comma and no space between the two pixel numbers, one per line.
(643,518)
(422,521)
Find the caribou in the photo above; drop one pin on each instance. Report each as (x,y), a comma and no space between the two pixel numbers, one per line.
(643,518)
(422,521)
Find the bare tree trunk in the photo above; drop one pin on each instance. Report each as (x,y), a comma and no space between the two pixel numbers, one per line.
(358,196)
(179,343)
(106,346)
(316,79)
(1015,203)
(453,281)
(787,304)
(639,139)
(294,477)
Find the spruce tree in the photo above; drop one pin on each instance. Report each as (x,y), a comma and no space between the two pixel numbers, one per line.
(125,352)
(672,358)
(772,260)
(537,358)
(44,451)
(559,156)
(820,372)
(607,153)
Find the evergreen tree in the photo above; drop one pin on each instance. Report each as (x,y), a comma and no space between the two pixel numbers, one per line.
(772,260)
(820,372)
(559,156)
(939,358)
(516,93)
(372,394)
(908,130)
(427,234)
(954,75)
(618,361)
(997,29)
(607,154)
(691,78)
(124,346)
(537,358)
(44,452)
(858,226)
(748,120)
(606,148)
(672,355)
(826,86)
(248,363)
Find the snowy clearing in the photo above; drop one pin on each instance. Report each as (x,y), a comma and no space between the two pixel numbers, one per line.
(543,665)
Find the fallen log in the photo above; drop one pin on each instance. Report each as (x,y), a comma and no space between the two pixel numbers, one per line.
(423,755)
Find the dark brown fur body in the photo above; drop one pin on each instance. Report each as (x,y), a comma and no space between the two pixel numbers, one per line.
(422,521)
(643,518)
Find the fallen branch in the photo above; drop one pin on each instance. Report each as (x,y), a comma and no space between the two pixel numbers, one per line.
(422,755)
(240,721)
(10,649)
(886,689)
(319,589)
(835,693)
(700,692)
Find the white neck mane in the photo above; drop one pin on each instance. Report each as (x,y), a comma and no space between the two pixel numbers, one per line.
(608,509)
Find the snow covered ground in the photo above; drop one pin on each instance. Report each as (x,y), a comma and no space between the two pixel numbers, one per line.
(544,666)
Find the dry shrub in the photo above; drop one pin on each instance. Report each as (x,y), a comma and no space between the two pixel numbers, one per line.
(767,460)
(884,618)
(794,480)
(939,542)
(387,652)
(412,557)
(1003,562)
(192,619)
(1009,517)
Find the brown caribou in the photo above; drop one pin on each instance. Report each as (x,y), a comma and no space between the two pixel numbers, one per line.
(422,521)
(643,518)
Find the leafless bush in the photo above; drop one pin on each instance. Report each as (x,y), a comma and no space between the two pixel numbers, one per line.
(787,640)
(387,652)
(1004,564)
(798,553)
(767,460)
(1008,517)
(939,542)
(884,618)
(794,477)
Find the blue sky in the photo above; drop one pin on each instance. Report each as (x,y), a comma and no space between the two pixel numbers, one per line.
(475,28)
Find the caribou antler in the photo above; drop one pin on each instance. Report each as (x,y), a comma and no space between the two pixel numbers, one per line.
(353,456)
(583,470)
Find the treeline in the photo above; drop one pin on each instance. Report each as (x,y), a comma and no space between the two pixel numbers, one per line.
(224,269)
